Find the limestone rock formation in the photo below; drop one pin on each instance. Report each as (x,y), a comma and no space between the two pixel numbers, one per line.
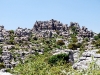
(63,29)
(21,44)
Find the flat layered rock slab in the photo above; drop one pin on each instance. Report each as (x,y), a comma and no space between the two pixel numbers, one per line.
(97,56)
(87,58)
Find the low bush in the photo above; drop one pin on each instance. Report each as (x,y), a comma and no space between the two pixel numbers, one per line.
(60,42)
(72,46)
(35,38)
(74,40)
(11,31)
(1,65)
(86,39)
(0,50)
(57,58)
(98,52)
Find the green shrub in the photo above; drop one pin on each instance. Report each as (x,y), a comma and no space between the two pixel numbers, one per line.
(58,46)
(11,31)
(74,40)
(0,50)
(98,52)
(57,58)
(72,36)
(20,41)
(96,37)
(60,42)
(97,43)
(73,28)
(46,49)
(72,46)
(64,47)
(82,48)
(11,42)
(36,53)
(1,65)
(93,42)
(86,39)
(79,45)
(8,70)
(35,38)
(47,42)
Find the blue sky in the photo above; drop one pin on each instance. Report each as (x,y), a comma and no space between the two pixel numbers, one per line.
(24,13)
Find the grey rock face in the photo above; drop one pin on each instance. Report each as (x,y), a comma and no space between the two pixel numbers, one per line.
(87,58)
(3,34)
(71,57)
(64,30)
(22,32)
(48,25)
(97,56)
(46,29)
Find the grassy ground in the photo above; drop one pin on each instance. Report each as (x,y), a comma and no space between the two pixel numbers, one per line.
(38,65)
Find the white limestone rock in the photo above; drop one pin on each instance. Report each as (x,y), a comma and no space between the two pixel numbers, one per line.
(88,54)
(97,56)
(5,73)
(82,58)
(79,66)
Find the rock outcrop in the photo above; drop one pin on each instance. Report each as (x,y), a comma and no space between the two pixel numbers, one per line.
(21,45)
(86,59)
(40,27)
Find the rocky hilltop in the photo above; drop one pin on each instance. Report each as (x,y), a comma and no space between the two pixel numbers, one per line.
(47,36)
(63,29)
